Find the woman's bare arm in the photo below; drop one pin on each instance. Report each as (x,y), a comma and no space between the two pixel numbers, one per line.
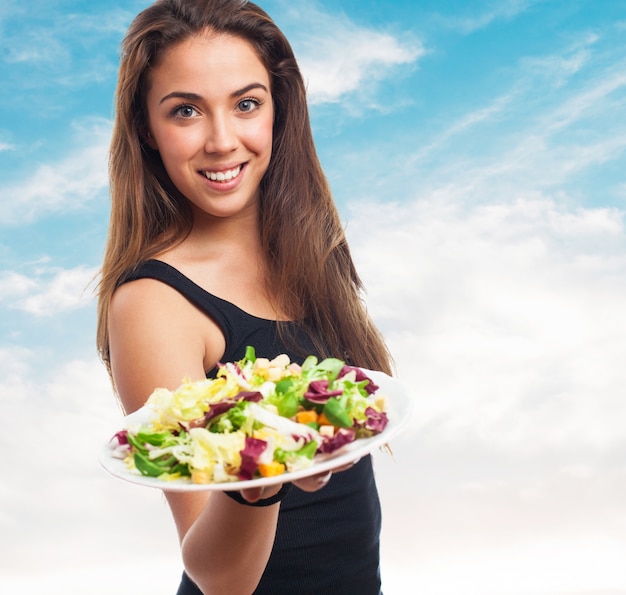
(158,339)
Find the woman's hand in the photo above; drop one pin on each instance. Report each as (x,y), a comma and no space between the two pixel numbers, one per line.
(312,483)
(261,493)
(319,480)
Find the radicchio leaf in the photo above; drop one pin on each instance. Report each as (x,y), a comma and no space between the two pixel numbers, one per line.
(253,396)
(219,408)
(121,437)
(250,457)
(318,392)
(341,438)
(227,404)
(370,387)
(376,420)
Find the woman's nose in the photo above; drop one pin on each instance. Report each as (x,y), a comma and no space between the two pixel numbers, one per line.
(221,136)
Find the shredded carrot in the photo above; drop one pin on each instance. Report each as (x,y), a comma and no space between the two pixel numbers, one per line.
(271,469)
(306,417)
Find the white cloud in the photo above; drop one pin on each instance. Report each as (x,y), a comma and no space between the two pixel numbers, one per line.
(48,290)
(113,573)
(500,10)
(113,22)
(462,125)
(338,57)
(38,45)
(14,366)
(506,322)
(56,493)
(53,44)
(559,68)
(7,8)
(66,290)
(15,284)
(548,567)
(65,184)
(529,136)
(508,315)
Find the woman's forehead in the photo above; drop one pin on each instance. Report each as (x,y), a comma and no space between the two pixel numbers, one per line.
(209,60)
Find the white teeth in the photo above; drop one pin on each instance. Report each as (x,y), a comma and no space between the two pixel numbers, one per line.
(223,176)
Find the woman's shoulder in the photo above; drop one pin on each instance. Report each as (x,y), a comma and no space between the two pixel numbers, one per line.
(151,284)
(138,294)
(146,310)
(150,320)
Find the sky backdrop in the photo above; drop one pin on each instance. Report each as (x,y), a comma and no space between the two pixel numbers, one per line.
(477,152)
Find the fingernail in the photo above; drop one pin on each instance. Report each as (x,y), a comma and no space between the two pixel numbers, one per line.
(325,479)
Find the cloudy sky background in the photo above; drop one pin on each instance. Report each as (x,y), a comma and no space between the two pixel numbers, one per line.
(477,152)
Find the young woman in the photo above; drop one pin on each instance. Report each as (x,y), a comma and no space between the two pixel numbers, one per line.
(223,234)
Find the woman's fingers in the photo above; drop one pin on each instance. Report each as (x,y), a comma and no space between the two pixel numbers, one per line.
(312,483)
(260,493)
(319,480)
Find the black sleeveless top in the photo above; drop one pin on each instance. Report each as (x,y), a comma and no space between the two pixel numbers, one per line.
(326,541)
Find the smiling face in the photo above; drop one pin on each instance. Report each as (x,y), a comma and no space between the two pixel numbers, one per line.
(210,116)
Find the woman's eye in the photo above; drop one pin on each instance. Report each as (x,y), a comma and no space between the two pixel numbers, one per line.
(248,105)
(185,111)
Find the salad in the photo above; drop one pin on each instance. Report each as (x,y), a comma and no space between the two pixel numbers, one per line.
(257,418)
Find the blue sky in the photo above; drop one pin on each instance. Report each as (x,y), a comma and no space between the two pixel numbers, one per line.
(477,153)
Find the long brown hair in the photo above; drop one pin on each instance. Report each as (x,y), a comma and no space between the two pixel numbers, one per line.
(312,274)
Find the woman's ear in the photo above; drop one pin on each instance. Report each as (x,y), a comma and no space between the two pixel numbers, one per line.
(148,139)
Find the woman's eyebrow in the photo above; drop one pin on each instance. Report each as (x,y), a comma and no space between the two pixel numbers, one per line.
(181,95)
(196,97)
(248,88)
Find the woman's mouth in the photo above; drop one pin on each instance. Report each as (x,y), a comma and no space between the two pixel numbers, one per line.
(222,176)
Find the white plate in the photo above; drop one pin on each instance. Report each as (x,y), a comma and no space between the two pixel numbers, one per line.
(399,407)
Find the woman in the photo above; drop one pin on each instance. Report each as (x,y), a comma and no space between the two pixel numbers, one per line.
(223,234)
